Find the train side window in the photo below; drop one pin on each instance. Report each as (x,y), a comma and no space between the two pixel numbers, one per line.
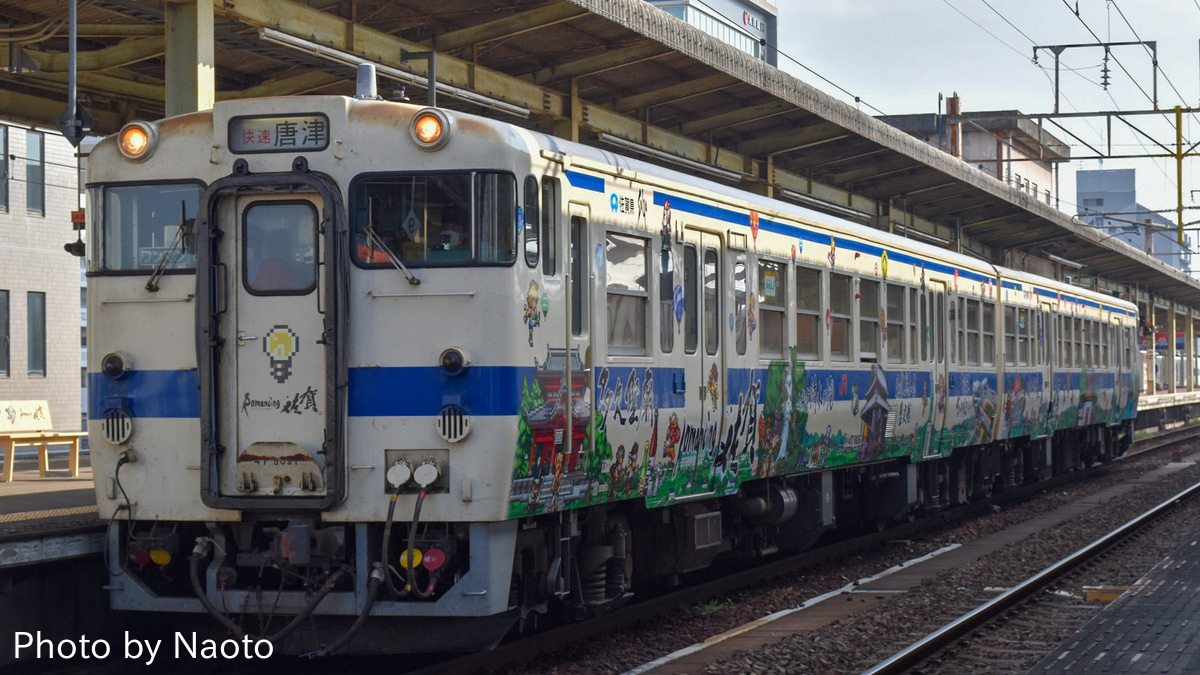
(1023,325)
(739,301)
(970,334)
(549,213)
(1094,334)
(627,295)
(939,323)
(666,304)
(691,317)
(924,328)
(808,314)
(772,289)
(895,323)
(1010,336)
(577,271)
(532,222)
(868,323)
(1080,333)
(913,327)
(988,352)
(712,312)
(841,306)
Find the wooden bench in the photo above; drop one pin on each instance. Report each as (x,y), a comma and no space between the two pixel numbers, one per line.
(28,423)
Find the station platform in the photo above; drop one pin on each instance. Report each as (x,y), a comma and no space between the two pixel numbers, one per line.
(1154,627)
(51,517)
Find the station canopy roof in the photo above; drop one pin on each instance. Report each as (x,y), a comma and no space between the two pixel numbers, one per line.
(616,72)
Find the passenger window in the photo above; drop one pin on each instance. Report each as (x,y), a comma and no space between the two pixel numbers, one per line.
(808,314)
(739,302)
(914,328)
(1010,336)
(895,323)
(691,315)
(666,304)
(625,278)
(549,214)
(279,244)
(869,315)
(1023,340)
(988,351)
(712,313)
(772,291)
(924,327)
(970,334)
(939,318)
(841,305)
(532,223)
(578,270)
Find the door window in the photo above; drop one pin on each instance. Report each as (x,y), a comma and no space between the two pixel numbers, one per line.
(280,244)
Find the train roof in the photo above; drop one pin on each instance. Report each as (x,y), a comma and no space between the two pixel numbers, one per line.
(572,149)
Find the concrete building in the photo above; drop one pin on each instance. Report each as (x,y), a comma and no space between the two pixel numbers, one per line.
(39,281)
(1107,199)
(749,25)
(998,143)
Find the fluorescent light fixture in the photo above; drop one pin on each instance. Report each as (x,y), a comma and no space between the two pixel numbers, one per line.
(822,205)
(337,56)
(727,174)
(922,236)
(1064,261)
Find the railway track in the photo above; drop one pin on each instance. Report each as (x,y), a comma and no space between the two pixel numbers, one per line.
(512,654)
(1020,609)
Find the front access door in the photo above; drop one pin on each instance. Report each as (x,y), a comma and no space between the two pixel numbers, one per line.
(279,360)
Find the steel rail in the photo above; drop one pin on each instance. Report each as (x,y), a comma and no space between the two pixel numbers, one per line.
(947,634)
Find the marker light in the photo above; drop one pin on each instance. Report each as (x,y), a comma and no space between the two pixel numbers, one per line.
(430,129)
(136,140)
(453,361)
(114,366)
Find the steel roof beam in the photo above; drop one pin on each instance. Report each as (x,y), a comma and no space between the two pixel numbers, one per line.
(806,136)
(735,117)
(674,93)
(511,26)
(116,56)
(605,61)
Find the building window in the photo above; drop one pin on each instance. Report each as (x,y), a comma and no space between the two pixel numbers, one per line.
(36,326)
(5,334)
(628,297)
(772,288)
(35,173)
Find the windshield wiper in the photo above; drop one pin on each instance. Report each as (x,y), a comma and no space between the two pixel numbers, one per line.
(377,242)
(172,254)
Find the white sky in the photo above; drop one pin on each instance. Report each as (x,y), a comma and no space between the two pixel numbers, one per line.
(897,55)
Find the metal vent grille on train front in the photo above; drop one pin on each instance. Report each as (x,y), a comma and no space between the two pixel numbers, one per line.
(117,426)
(453,424)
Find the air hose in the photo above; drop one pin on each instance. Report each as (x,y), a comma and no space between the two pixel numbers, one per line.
(198,556)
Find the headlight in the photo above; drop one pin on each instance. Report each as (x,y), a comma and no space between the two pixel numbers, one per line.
(453,361)
(430,129)
(137,141)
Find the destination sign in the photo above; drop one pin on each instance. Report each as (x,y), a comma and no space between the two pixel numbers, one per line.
(279,133)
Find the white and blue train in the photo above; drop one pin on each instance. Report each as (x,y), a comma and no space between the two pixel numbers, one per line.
(406,379)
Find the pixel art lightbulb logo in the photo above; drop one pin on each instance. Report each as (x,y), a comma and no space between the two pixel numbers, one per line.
(281,344)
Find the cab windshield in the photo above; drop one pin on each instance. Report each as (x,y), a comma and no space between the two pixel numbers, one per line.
(141,226)
(444,219)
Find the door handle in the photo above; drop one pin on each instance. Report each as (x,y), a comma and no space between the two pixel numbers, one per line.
(242,338)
